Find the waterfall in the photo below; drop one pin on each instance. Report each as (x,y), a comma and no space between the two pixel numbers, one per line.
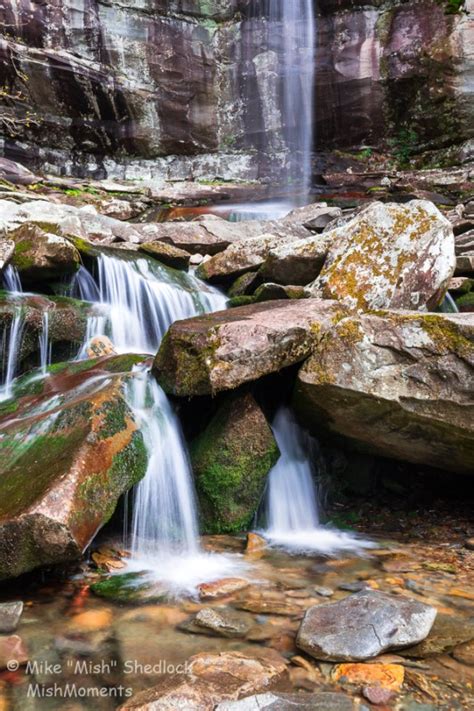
(288,28)
(12,352)
(291,498)
(44,343)
(11,280)
(141,300)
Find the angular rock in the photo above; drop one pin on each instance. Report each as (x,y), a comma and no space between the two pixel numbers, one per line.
(7,248)
(220,351)
(245,284)
(465,264)
(299,262)
(12,649)
(222,588)
(385,676)
(275,701)
(69,447)
(247,255)
(231,460)
(42,255)
(272,292)
(314,217)
(389,256)
(16,173)
(222,622)
(362,626)
(10,614)
(447,632)
(397,384)
(167,254)
(210,679)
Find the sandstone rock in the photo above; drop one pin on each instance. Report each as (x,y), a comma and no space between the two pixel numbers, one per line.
(10,614)
(70,451)
(465,653)
(167,254)
(41,255)
(299,262)
(314,217)
(273,292)
(377,695)
(222,588)
(389,256)
(211,679)
(245,284)
(7,248)
(220,351)
(255,544)
(231,460)
(16,173)
(362,626)
(385,676)
(273,701)
(12,649)
(397,384)
(247,254)
(447,632)
(465,264)
(223,622)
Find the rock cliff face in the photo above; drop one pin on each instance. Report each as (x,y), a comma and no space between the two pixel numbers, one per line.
(156,87)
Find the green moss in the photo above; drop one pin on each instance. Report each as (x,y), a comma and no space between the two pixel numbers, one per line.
(451,7)
(125,588)
(231,460)
(236,301)
(466,302)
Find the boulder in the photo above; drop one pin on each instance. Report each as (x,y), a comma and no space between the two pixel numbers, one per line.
(42,255)
(222,350)
(69,448)
(389,256)
(221,622)
(209,679)
(298,262)
(231,460)
(16,173)
(247,255)
(167,254)
(363,626)
(314,217)
(396,384)
(272,292)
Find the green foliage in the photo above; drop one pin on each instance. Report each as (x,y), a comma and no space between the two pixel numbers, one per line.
(404,145)
(451,7)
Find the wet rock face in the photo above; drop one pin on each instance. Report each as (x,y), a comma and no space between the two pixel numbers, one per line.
(362,626)
(397,383)
(69,447)
(389,256)
(231,460)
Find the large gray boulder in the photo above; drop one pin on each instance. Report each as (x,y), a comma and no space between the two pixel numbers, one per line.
(42,255)
(398,384)
(363,626)
(222,350)
(389,256)
(297,262)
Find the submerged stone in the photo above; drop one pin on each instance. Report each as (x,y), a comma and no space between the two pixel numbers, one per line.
(231,460)
(277,701)
(69,448)
(397,384)
(362,626)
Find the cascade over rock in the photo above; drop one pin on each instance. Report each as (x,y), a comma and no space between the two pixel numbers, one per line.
(69,448)
(231,460)
(222,350)
(389,256)
(397,384)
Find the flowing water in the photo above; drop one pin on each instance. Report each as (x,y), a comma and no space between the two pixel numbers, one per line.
(11,353)
(289,30)
(292,515)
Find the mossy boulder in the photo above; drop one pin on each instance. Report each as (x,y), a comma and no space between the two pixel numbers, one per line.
(69,448)
(231,460)
(220,351)
(389,256)
(41,255)
(395,384)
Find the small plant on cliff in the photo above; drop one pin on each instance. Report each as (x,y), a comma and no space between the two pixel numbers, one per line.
(404,145)
(451,7)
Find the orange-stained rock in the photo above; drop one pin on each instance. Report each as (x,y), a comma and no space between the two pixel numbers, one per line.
(100,346)
(255,544)
(12,649)
(220,588)
(92,620)
(387,676)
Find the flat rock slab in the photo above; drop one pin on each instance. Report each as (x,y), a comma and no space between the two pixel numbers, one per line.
(362,626)
(220,351)
(10,614)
